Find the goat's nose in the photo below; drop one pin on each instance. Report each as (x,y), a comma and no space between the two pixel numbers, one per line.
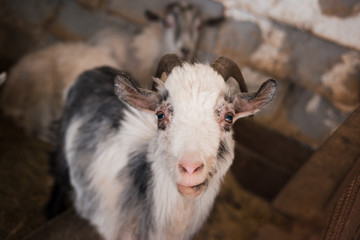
(191,167)
(185,51)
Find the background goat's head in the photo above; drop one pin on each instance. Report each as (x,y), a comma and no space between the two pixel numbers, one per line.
(195,109)
(182,23)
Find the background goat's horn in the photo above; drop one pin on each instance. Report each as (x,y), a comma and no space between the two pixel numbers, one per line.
(228,68)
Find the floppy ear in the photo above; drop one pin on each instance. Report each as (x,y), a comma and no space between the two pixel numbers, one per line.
(212,22)
(142,99)
(246,104)
(151,16)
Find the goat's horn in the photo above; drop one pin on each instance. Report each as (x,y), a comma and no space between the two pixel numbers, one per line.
(166,64)
(228,68)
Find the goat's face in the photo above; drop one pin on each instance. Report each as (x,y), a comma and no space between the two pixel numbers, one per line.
(182,23)
(195,110)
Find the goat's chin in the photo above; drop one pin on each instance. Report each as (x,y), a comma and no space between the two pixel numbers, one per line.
(191,191)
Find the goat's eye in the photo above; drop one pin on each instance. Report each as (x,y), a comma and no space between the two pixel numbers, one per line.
(160,116)
(229,117)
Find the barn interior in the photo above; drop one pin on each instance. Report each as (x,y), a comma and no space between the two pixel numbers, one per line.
(296,173)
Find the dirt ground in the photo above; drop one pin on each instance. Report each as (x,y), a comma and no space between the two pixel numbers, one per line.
(24,181)
(25,184)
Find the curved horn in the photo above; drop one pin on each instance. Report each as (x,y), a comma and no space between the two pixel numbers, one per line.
(228,68)
(166,64)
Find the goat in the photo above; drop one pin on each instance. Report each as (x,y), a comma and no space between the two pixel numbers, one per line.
(33,92)
(36,88)
(176,31)
(147,164)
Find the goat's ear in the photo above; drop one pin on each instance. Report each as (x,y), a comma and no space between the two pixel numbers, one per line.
(233,86)
(213,22)
(159,84)
(127,91)
(151,16)
(249,103)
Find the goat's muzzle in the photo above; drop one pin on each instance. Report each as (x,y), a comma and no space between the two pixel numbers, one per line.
(192,173)
(191,191)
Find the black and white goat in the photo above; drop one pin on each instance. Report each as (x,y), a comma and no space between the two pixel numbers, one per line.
(36,87)
(147,164)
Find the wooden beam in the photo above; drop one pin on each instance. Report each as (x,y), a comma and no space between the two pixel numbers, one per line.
(311,192)
(265,159)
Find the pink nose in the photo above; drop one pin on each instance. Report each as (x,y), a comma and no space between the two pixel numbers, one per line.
(191,167)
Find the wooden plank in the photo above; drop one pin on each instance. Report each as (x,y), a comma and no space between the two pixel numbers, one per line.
(258,174)
(281,150)
(343,216)
(309,193)
(264,159)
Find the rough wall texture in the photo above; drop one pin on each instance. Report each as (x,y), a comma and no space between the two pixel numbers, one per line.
(335,20)
(311,47)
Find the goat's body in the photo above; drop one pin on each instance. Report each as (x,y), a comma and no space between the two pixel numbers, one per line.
(117,184)
(43,78)
(147,164)
(132,51)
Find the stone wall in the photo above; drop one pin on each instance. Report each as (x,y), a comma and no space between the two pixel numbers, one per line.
(311,47)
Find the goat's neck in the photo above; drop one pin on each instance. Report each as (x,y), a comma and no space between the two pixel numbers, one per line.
(148,48)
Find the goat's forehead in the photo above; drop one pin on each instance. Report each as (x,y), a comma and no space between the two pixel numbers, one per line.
(184,13)
(182,7)
(197,84)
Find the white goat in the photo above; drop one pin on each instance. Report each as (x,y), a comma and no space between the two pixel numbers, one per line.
(36,88)
(150,165)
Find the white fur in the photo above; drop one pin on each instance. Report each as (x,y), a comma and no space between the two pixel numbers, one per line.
(195,92)
(112,156)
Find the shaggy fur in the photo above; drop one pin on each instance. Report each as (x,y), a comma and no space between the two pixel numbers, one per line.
(124,168)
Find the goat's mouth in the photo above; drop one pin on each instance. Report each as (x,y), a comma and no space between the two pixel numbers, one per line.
(191,191)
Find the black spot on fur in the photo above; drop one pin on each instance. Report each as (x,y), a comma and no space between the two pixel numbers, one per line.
(91,99)
(222,151)
(162,125)
(136,199)
(164,95)
(227,127)
(140,172)
(213,171)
